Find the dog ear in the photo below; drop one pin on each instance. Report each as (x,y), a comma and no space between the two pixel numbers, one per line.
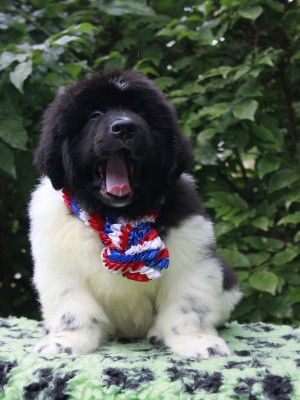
(51,155)
(182,158)
(48,158)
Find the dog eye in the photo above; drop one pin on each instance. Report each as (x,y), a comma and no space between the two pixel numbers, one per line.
(95,114)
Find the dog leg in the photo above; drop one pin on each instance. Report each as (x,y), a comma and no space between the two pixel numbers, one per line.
(188,335)
(187,325)
(74,323)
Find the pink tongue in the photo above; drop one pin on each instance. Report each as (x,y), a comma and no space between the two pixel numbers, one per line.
(116,175)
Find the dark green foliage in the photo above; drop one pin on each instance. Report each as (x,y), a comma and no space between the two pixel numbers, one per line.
(232,70)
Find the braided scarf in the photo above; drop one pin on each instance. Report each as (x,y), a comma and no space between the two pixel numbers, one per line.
(133,248)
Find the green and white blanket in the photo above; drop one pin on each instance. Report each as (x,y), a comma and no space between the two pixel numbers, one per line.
(265,364)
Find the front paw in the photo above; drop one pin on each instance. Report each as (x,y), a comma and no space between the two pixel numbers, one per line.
(66,342)
(199,346)
(52,345)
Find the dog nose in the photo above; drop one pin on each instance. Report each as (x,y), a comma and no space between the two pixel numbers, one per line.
(124,128)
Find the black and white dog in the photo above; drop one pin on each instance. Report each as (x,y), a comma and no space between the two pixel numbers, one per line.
(112,145)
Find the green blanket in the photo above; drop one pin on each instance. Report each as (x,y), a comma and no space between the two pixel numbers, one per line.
(265,364)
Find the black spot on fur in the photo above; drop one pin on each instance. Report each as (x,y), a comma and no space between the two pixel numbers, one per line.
(297,361)
(212,351)
(277,387)
(68,322)
(59,346)
(5,368)
(126,378)
(175,330)
(95,321)
(46,329)
(66,292)
(192,307)
(157,343)
(185,310)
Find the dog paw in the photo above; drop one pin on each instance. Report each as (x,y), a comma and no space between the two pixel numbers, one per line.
(65,342)
(52,347)
(199,346)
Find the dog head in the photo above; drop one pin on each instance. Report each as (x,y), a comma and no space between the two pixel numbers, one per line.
(113,141)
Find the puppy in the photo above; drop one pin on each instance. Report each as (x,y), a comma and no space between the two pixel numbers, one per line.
(121,244)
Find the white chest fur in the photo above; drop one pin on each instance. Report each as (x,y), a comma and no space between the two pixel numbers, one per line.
(69,274)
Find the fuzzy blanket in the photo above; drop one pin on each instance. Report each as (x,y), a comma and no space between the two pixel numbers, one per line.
(265,364)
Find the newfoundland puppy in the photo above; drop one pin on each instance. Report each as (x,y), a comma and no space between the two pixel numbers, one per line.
(122,246)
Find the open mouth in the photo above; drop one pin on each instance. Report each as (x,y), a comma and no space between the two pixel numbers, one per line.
(117,174)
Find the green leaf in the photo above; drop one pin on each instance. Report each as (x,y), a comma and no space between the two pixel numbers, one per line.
(259,258)
(7,58)
(255,242)
(219,199)
(242,70)
(250,89)
(242,275)
(274,244)
(282,179)
(285,256)
(207,134)
(266,165)
(264,281)
(74,69)
(267,136)
(293,218)
(164,82)
(20,74)
(204,153)
(7,161)
(13,133)
(215,111)
(224,71)
(251,12)
(119,8)
(235,258)
(221,228)
(261,223)
(297,237)
(290,198)
(245,110)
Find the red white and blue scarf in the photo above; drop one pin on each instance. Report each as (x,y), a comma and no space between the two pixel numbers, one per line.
(132,248)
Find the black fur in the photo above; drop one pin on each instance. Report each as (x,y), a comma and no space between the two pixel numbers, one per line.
(75,141)
(79,134)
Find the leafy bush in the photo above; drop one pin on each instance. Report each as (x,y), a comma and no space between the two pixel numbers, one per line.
(231,69)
